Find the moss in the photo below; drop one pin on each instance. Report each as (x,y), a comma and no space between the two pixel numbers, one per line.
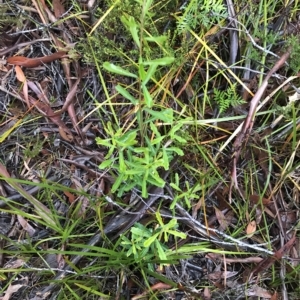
(113,42)
(7,17)
(293,41)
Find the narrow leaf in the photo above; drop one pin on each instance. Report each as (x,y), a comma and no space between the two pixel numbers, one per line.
(35,62)
(151,240)
(160,61)
(157,39)
(149,74)
(40,208)
(147,97)
(132,27)
(177,233)
(160,250)
(126,94)
(117,70)
(175,149)
(105,164)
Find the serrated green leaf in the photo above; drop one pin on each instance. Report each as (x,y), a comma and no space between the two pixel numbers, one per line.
(117,70)
(157,140)
(156,180)
(141,232)
(175,128)
(146,5)
(144,187)
(154,129)
(125,241)
(172,223)
(126,187)
(133,172)
(140,149)
(127,139)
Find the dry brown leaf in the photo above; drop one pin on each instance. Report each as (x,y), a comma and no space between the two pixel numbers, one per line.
(274,296)
(69,106)
(13,288)
(206,293)
(47,111)
(64,135)
(70,196)
(258,215)
(221,275)
(288,219)
(26,226)
(155,287)
(35,62)
(22,78)
(68,101)
(59,9)
(84,204)
(269,261)
(254,199)
(60,258)
(14,264)
(258,291)
(221,219)
(25,92)
(251,228)
(20,74)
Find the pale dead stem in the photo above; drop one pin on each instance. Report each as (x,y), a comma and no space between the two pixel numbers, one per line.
(248,123)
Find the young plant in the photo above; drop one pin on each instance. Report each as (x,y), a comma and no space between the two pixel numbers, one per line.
(227,98)
(138,166)
(146,244)
(187,195)
(138,154)
(207,13)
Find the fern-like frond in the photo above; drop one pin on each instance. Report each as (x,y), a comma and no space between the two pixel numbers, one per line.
(227,98)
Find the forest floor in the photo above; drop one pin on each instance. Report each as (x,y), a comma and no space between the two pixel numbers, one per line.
(149,149)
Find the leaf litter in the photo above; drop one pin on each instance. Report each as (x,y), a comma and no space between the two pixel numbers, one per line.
(76,217)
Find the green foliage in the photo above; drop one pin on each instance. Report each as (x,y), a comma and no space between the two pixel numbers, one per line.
(138,166)
(293,41)
(137,154)
(206,13)
(113,40)
(188,195)
(147,244)
(33,148)
(227,98)
(6,18)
